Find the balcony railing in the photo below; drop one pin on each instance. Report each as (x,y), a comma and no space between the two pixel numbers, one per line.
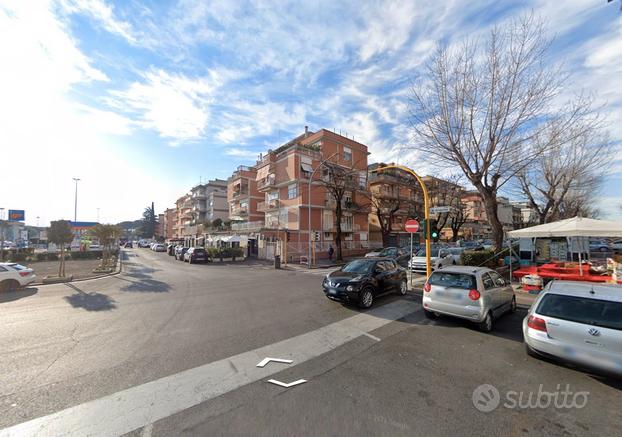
(267,206)
(239,210)
(268,182)
(247,226)
(241,192)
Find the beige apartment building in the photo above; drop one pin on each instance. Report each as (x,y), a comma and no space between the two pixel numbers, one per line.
(209,202)
(243,196)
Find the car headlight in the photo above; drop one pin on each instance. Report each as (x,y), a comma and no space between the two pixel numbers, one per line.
(350,288)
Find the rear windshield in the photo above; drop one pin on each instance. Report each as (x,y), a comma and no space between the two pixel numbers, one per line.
(18,266)
(198,250)
(453,280)
(603,313)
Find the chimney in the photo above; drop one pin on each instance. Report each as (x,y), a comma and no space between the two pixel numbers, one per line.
(306,131)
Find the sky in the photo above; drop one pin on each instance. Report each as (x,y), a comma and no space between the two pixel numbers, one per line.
(143,99)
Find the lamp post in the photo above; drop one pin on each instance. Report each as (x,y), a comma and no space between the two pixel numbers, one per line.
(75,206)
(321,164)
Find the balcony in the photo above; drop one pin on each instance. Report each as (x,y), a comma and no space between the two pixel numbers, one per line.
(346,227)
(239,210)
(267,183)
(247,226)
(241,192)
(269,205)
(386,194)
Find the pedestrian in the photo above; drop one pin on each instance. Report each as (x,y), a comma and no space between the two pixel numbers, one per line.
(331,251)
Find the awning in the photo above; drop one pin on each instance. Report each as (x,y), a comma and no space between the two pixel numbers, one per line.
(263,172)
(306,167)
(573,227)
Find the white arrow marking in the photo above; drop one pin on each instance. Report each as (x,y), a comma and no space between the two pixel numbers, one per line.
(276,360)
(291,384)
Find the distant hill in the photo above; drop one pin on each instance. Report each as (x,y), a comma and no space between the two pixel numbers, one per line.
(126,225)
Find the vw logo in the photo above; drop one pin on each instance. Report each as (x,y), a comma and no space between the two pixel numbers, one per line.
(593,331)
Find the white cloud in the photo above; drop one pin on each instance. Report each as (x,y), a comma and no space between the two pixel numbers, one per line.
(241,153)
(174,105)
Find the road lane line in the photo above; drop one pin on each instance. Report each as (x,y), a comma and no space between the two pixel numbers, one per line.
(144,404)
(373,337)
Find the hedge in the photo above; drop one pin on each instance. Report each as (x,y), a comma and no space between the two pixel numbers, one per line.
(54,256)
(227,252)
(479,258)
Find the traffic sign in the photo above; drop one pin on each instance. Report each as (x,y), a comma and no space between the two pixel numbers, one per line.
(440,209)
(411,226)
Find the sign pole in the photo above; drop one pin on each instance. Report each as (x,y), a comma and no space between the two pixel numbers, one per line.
(411,262)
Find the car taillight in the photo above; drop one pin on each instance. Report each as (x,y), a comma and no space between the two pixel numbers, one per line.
(474,294)
(536,323)
(24,273)
(427,287)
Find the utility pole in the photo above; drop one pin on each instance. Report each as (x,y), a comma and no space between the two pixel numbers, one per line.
(75,206)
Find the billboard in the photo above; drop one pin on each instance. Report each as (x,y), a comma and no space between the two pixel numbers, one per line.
(17,215)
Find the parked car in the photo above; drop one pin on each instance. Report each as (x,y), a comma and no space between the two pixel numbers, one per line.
(577,322)
(95,247)
(195,255)
(143,244)
(478,294)
(397,254)
(129,245)
(170,249)
(599,246)
(617,246)
(158,247)
(456,253)
(373,253)
(179,252)
(471,245)
(14,276)
(439,256)
(362,280)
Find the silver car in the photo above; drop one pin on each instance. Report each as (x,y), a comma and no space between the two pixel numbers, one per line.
(578,322)
(478,294)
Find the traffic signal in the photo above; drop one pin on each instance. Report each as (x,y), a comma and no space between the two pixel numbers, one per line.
(432,224)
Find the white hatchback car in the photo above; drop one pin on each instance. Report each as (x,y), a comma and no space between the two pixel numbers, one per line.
(439,257)
(14,276)
(577,322)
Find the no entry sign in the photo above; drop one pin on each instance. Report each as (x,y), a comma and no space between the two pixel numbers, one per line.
(411,226)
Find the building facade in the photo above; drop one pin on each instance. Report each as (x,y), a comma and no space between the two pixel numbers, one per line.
(209,202)
(243,195)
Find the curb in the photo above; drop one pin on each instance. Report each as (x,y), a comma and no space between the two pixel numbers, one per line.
(41,284)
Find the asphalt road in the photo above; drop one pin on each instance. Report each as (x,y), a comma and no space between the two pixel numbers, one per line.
(167,348)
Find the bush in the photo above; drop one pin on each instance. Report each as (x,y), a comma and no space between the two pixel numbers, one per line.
(226,252)
(479,258)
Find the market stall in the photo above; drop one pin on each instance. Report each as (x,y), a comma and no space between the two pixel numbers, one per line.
(560,250)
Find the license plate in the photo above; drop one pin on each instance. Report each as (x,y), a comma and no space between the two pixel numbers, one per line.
(448,295)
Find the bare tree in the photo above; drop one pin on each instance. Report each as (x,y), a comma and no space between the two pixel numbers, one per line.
(448,191)
(562,181)
(479,107)
(339,181)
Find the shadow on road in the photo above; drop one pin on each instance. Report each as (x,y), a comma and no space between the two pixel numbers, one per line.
(19,294)
(90,301)
(145,284)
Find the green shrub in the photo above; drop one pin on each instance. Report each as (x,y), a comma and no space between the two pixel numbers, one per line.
(479,258)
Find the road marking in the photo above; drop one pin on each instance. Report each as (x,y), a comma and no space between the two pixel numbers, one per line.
(135,407)
(291,384)
(373,337)
(265,361)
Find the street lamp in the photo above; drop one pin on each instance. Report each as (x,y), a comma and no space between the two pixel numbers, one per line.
(321,164)
(75,206)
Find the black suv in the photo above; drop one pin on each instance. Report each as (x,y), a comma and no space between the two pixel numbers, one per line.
(179,252)
(195,255)
(362,280)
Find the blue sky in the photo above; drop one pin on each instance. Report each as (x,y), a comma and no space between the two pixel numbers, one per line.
(143,99)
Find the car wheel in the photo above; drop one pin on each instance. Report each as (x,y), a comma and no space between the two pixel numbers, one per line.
(366,298)
(9,285)
(486,324)
(403,288)
(513,305)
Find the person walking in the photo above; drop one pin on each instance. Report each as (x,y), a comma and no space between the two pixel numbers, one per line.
(331,251)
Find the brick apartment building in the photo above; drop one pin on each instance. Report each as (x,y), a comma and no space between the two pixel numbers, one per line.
(169,222)
(477,225)
(272,197)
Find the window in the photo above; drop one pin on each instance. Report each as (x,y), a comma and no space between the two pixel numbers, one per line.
(347,154)
(606,314)
(488,282)
(363,179)
(498,280)
(452,280)
(380,267)
(327,220)
(273,195)
(292,191)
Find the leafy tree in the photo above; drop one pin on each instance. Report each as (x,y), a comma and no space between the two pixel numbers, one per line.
(149,222)
(107,236)
(60,234)
(217,223)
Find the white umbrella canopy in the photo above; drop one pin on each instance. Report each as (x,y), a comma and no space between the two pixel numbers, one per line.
(572,227)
